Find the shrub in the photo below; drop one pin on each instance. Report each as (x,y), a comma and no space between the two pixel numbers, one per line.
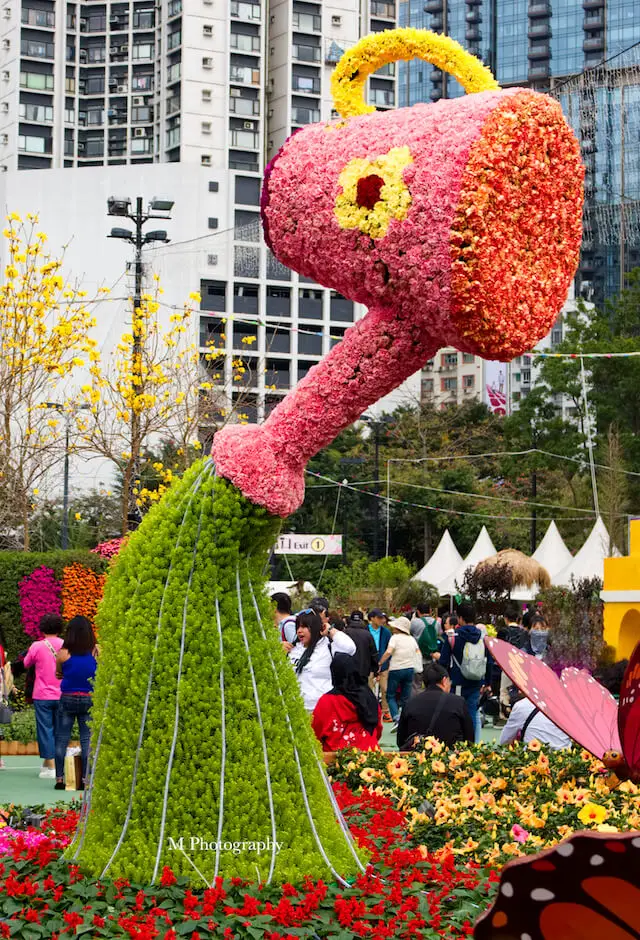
(22,727)
(575,618)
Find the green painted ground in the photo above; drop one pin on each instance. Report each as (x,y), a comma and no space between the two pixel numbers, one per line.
(19,783)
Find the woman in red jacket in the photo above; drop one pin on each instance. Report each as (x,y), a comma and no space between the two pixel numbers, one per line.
(348,715)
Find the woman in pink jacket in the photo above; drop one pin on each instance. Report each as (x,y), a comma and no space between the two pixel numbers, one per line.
(46,690)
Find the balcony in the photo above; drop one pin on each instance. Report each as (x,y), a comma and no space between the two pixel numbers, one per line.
(593,4)
(437,22)
(593,44)
(117,116)
(245,140)
(245,43)
(473,34)
(540,50)
(539,71)
(175,8)
(118,24)
(433,6)
(473,16)
(594,20)
(305,53)
(381,98)
(537,9)
(173,105)
(539,31)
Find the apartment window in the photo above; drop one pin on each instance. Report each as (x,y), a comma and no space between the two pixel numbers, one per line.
(173,137)
(247,191)
(246,139)
(213,295)
(206,94)
(244,75)
(526,376)
(516,376)
(468,381)
(44,18)
(36,48)
(38,114)
(142,82)
(94,85)
(278,305)
(243,160)
(174,39)
(173,72)
(309,83)
(382,98)
(449,360)
(214,186)
(309,345)
(243,104)
(205,127)
(205,159)
(307,22)
(244,11)
(213,222)
(450,384)
(245,298)
(142,50)
(276,270)
(145,19)
(556,337)
(468,358)
(245,42)
(94,146)
(246,226)
(382,8)
(339,307)
(305,115)
(207,30)
(305,52)
(142,145)
(69,85)
(36,80)
(516,396)
(427,385)
(30,144)
(246,261)
(310,303)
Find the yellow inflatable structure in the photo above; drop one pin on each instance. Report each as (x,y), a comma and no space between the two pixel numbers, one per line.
(621,596)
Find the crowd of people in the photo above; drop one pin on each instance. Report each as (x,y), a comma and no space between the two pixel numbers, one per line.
(59,675)
(429,675)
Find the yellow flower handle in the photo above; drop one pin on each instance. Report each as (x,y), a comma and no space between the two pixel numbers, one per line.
(378,49)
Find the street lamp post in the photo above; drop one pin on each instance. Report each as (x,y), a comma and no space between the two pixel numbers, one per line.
(60,408)
(122,208)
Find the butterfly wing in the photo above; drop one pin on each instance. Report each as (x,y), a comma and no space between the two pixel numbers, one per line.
(629,713)
(597,705)
(587,888)
(542,687)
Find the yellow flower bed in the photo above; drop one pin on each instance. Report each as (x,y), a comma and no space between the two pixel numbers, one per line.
(490,803)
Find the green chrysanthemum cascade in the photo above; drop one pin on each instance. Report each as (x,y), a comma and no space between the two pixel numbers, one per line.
(202,751)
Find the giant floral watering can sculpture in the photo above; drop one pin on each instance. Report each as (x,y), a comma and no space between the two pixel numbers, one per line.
(455,223)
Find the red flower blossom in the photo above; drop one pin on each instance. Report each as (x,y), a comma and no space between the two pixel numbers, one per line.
(168,878)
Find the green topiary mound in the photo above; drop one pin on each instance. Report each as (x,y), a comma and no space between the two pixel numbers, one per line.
(200,735)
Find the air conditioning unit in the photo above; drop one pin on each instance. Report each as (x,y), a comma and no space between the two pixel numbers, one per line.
(7,13)
(212,260)
(3,168)
(113,82)
(122,89)
(139,132)
(234,92)
(336,20)
(137,101)
(6,43)
(5,107)
(248,125)
(4,138)
(270,114)
(207,63)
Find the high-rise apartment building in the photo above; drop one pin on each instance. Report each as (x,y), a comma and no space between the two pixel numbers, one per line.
(212,87)
(587,55)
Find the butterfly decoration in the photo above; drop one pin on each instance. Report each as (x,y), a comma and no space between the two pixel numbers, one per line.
(581,707)
(585,888)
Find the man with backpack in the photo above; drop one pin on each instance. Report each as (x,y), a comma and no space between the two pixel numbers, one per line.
(424,630)
(464,654)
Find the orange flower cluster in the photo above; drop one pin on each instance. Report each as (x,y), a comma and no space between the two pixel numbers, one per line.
(520,212)
(82,591)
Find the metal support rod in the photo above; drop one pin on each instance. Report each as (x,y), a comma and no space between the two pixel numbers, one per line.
(386,549)
(589,434)
(622,196)
(376,508)
(136,359)
(65,490)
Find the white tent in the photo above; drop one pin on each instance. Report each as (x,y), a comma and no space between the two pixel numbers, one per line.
(445,560)
(483,548)
(552,553)
(589,562)
(288,587)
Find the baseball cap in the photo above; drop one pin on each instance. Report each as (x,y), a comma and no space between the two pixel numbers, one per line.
(356,615)
(375,612)
(319,603)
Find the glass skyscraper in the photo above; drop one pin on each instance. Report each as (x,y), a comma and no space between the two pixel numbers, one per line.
(587,55)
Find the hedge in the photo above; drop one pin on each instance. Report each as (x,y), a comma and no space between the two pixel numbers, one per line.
(14,566)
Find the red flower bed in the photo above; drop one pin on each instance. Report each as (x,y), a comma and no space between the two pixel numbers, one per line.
(405,893)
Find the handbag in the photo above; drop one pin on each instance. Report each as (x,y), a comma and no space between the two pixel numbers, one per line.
(6,714)
(418,664)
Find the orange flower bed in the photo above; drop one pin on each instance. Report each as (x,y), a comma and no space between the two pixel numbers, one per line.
(82,591)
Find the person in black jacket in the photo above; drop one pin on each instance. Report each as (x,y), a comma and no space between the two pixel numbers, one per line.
(366,654)
(436,712)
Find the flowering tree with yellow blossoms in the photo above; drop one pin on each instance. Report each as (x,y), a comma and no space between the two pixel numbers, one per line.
(45,329)
(154,385)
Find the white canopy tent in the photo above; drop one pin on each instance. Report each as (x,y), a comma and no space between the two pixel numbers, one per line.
(589,562)
(483,548)
(445,560)
(288,587)
(552,553)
